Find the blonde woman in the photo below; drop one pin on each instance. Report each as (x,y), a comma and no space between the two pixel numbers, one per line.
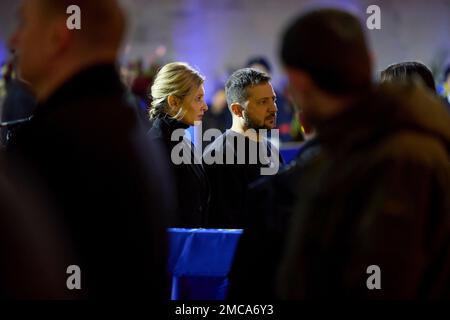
(178,100)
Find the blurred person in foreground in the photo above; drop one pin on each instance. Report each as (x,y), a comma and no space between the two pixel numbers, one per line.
(85,145)
(270,204)
(34,250)
(378,194)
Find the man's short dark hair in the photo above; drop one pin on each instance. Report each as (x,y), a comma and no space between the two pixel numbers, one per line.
(238,83)
(407,71)
(330,46)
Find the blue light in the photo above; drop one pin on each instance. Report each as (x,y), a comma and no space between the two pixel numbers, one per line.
(3,52)
(190,40)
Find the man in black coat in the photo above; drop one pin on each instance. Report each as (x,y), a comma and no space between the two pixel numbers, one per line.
(243,153)
(84,142)
(373,217)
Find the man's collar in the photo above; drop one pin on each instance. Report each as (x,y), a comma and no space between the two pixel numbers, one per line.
(95,80)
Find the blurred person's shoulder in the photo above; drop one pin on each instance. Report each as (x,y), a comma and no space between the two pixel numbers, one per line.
(287,176)
(416,123)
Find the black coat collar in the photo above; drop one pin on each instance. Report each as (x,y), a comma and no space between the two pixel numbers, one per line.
(98,80)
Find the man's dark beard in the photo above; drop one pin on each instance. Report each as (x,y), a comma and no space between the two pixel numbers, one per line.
(249,124)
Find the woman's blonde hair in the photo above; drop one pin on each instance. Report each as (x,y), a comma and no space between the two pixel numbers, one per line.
(174,79)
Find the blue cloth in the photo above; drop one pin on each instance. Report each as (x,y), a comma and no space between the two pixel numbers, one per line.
(200,261)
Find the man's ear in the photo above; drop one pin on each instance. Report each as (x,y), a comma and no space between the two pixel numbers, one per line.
(236,109)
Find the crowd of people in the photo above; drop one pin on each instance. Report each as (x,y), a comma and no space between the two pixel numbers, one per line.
(93,173)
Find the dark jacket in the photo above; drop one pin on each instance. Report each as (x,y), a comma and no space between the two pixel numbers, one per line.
(192,185)
(270,204)
(34,251)
(108,183)
(379,194)
(229,182)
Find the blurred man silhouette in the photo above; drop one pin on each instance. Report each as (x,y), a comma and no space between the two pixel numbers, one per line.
(378,194)
(85,144)
(34,251)
(270,205)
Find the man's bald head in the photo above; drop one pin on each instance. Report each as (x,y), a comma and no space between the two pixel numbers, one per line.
(103,22)
(48,53)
